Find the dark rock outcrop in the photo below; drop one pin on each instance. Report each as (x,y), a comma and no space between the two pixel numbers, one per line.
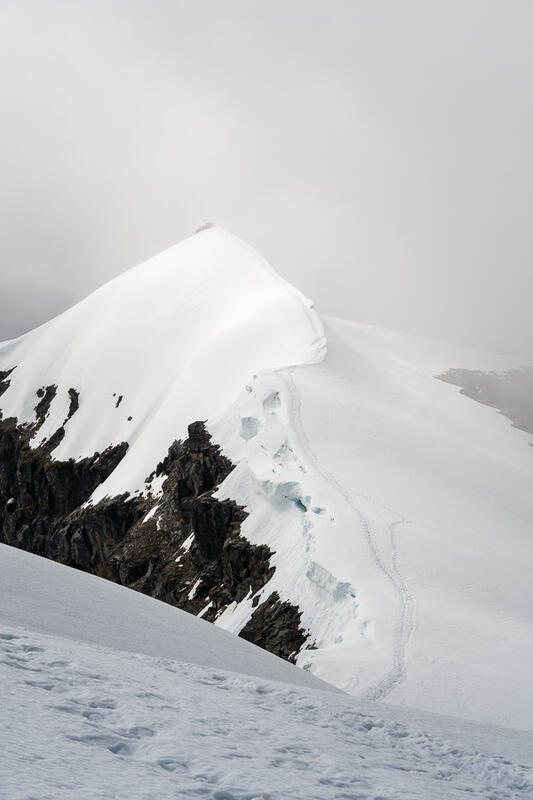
(74,404)
(42,408)
(510,392)
(190,552)
(4,380)
(183,547)
(275,625)
(38,493)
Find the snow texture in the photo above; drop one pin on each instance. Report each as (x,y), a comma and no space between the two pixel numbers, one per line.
(398,510)
(81,719)
(400,515)
(58,600)
(176,337)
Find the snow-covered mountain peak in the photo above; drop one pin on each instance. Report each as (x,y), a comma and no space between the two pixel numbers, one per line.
(372,520)
(167,342)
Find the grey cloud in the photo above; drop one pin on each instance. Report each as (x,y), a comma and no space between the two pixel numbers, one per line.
(378,154)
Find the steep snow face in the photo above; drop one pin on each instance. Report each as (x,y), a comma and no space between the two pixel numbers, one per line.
(89,711)
(168,342)
(400,515)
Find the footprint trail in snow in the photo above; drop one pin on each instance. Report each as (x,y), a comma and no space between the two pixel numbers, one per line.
(131,726)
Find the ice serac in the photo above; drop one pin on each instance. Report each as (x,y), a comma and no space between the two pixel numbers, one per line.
(166,343)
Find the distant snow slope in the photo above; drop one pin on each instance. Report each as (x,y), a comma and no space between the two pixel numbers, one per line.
(401,515)
(83,719)
(175,338)
(399,511)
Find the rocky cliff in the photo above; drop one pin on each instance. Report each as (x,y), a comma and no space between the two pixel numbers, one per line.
(183,547)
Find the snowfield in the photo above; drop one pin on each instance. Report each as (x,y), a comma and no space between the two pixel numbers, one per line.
(399,510)
(82,719)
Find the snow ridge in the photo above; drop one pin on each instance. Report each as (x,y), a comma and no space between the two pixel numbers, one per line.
(292,502)
(406,616)
(176,338)
(348,516)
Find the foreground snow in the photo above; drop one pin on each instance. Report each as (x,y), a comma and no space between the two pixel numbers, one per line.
(64,602)
(83,720)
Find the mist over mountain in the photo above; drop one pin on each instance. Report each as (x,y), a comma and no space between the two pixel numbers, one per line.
(377,154)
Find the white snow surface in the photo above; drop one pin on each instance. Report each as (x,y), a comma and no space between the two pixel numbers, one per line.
(399,511)
(83,719)
(58,600)
(176,338)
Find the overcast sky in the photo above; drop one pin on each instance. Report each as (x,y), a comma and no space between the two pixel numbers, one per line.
(377,153)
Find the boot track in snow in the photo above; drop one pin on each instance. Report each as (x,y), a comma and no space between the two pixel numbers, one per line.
(406,618)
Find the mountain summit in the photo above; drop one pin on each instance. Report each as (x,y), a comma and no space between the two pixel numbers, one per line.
(168,342)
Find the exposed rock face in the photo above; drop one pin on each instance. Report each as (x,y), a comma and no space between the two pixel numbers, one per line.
(43,406)
(4,379)
(510,392)
(38,494)
(74,404)
(190,552)
(276,625)
(183,547)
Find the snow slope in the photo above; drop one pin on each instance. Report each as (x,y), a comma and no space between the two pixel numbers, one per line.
(399,510)
(83,719)
(55,599)
(176,337)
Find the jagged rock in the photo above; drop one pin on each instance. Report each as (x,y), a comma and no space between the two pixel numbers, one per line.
(74,404)
(219,561)
(38,493)
(189,552)
(275,625)
(4,382)
(89,536)
(43,406)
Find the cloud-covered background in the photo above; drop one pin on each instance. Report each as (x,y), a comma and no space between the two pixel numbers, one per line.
(378,154)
